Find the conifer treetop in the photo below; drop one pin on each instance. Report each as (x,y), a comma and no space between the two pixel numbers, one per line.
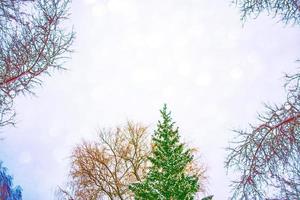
(167,178)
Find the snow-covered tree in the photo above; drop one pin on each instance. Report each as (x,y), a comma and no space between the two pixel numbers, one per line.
(167,178)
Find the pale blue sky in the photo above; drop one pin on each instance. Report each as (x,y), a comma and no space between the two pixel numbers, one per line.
(134,55)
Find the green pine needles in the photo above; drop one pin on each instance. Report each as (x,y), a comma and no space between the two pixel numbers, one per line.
(167,178)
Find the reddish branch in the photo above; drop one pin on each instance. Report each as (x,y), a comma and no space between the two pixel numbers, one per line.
(30,45)
(282,123)
(289,120)
(267,156)
(28,71)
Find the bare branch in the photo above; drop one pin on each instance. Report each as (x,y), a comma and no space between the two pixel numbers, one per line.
(267,157)
(287,10)
(32,42)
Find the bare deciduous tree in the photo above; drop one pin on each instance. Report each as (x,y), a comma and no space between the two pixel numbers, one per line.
(33,41)
(104,169)
(268,155)
(287,10)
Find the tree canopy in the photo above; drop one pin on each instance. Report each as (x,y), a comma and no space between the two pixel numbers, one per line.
(106,167)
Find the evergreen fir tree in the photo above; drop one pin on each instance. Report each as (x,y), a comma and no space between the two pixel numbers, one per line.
(167,179)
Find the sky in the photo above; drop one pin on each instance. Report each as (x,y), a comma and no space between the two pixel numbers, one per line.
(131,57)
